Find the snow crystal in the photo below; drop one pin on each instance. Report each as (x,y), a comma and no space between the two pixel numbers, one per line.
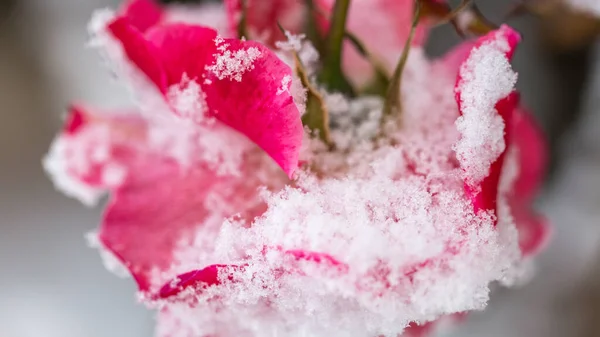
(353,121)
(285,85)
(188,100)
(233,64)
(487,77)
(307,53)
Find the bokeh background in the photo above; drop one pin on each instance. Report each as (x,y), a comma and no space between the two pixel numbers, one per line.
(53,285)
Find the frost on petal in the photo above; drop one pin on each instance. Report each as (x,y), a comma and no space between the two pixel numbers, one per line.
(253,75)
(485,79)
(156,201)
(142,14)
(174,53)
(263,16)
(80,163)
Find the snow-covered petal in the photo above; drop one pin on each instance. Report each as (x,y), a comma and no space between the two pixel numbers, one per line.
(157,203)
(486,107)
(224,68)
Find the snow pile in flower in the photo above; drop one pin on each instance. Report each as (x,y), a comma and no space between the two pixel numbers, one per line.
(386,237)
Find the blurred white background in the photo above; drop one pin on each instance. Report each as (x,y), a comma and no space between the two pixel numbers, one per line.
(53,285)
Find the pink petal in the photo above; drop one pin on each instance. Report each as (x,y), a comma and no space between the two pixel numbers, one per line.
(533,151)
(488,189)
(485,193)
(522,133)
(262,17)
(206,277)
(259,106)
(184,50)
(263,108)
(146,218)
(212,275)
(534,230)
(141,53)
(142,14)
(155,201)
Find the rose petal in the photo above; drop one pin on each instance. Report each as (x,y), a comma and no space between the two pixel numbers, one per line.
(184,50)
(156,201)
(484,138)
(485,194)
(206,277)
(142,14)
(141,53)
(210,275)
(532,154)
(263,108)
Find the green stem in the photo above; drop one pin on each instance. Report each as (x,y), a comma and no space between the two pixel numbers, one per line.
(332,76)
(393,101)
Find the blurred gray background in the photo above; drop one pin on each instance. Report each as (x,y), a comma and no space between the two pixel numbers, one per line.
(53,285)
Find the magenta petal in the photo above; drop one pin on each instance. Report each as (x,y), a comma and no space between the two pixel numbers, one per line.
(488,193)
(532,151)
(142,14)
(185,50)
(210,276)
(260,106)
(155,201)
(258,103)
(139,51)
(485,193)
(149,215)
(206,277)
